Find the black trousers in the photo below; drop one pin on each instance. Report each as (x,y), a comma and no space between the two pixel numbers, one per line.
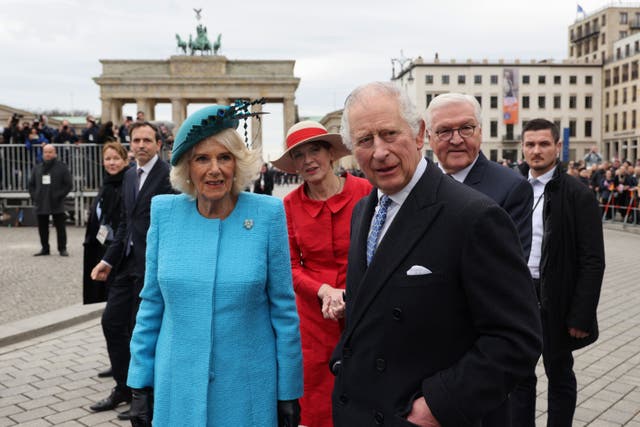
(61,231)
(118,318)
(562,388)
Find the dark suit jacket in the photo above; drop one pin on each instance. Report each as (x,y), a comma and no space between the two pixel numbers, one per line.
(135,215)
(462,336)
(508,189)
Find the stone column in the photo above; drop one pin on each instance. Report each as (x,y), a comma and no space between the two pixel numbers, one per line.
(288,113)
(178,111)
(256,129)
(105,115)
(147,105)
(116,111)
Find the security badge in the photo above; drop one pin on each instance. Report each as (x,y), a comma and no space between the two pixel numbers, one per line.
(46,179)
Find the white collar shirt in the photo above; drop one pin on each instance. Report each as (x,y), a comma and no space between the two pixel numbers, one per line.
(461,175)
(146,169)
(398,198)
(537,222)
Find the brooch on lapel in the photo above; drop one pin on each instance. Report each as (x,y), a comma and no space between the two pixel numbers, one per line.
(248,224)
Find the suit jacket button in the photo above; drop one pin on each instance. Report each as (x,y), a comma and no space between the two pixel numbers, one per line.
(379,418)
(343,399)
(397,313)
(381,365)
(346,352)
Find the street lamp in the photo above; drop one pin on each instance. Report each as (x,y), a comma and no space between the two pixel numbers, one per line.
(401,61)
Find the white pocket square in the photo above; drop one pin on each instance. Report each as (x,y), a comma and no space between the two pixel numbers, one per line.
(418,270)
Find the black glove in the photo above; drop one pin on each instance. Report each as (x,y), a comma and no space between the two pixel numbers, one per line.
(141,411)
(288,413)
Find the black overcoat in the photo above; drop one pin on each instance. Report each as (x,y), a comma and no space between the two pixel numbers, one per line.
(49,198)
(110,199)
(446,310)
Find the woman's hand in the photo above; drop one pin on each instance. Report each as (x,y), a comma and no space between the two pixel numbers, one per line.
(333,304)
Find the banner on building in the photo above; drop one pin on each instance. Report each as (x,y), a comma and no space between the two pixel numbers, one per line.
(510,96)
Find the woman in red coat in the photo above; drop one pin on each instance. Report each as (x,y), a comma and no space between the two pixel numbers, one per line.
(318,218)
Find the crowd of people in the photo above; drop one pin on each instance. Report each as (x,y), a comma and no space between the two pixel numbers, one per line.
(420,293)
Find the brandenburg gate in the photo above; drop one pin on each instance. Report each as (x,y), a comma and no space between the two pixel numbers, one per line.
(183,79)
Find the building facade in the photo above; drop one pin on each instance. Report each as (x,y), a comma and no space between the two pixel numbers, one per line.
(511,93)
(611,35)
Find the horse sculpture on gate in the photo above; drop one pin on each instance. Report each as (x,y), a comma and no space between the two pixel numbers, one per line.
(201,42)
(181,44)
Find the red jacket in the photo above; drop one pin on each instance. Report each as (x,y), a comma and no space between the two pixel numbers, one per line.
(319,244)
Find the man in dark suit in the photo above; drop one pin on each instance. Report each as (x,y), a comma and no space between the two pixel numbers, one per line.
(454,127)
(150,177)
(441,316)
(567,265)
(264,183)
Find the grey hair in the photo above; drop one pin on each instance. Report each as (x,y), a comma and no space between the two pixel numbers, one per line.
(408,109)
(247,163)
(452,98)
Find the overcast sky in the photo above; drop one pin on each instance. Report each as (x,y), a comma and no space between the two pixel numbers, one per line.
(50,49)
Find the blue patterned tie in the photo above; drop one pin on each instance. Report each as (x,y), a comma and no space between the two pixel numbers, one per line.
(376,226)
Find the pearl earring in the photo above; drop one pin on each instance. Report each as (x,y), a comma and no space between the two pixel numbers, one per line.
(188,181)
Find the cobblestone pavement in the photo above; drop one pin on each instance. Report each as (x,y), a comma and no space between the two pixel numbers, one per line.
(51,379)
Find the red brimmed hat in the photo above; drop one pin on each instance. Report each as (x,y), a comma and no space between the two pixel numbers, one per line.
(308,131)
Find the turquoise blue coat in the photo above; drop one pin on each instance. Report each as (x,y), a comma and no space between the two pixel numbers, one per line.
(217,332)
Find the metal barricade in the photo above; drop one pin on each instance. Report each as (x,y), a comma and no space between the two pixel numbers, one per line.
(84,162)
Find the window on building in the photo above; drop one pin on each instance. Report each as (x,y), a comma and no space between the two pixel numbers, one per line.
(445,79)
(636,45)
(494,79)
(624,18)
(615,97)
(616,75)
(615,122)
(587,128)
(541,80)
(572,128)
(494,102)
(479,99)
(509,132)
(558,124)
(573,80)
(494,129)
(627,50)
(572,102)
(541,102)
(525,79)
(625,73)
(618,53)
(624,120)
(461,79)
(477,79)
(525,101)
(606,99)
(603,40)
(624,95)
(428,79)
(606,123)
(557,102)
(588,80)
(607,78)
(429,99)
(634,70)
(623,34)
(634,93)
(557,80)
(633,119)
(588,102)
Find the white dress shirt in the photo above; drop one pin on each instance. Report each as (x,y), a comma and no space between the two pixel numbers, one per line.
(146,169)
(461,175)
(537,223)
(398,198)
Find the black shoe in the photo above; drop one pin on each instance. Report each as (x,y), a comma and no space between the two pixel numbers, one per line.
(115,398)
(125,416)
(42,252)
(64,253)
(106,373)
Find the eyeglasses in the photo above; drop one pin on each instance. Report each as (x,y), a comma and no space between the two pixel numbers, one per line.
(464,132)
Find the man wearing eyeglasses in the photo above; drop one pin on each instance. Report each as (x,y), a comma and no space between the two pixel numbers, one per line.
(454,128)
